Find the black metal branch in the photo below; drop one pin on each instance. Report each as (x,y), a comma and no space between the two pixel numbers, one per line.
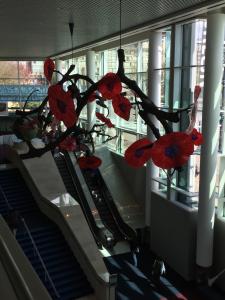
(38,110)
(107,112)
(58,72)
(147,118)
(146,108)
(25,104)
(146,103)
(77,77)
(95,126)
(104,134)
(66,76)
(47,120)
(109,138)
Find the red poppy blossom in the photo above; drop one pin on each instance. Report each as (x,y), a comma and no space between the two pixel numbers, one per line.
(62,105)
(172,150)
(49,67)
(197,92)
(92,97)
(138,153)
(110,85)
(89,162)
(68,144)
(105,120)
(196,137)
(122,107)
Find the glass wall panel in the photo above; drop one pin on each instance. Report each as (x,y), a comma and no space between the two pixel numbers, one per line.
(110,61)
(8,72)
(20,79)
(131,53)
(112,144)
(127,139)
(144,57)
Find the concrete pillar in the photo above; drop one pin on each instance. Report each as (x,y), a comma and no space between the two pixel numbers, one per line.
(210,122)
(154,93)
(90,64)
(58,67)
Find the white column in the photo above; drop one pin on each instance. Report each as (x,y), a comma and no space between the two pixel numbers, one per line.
(90,64)
(58,67)
(210,120)
(154,93)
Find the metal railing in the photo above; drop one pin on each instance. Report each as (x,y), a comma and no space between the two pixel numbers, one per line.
(47,276)
(5,198)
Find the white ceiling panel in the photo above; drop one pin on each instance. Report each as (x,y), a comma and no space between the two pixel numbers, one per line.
(37,29)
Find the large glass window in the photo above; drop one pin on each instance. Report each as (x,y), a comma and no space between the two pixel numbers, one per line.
(18,79)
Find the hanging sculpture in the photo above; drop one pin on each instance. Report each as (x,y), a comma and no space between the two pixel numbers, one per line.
(171,150)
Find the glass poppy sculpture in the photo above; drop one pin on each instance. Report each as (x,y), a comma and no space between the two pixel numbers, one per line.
(64,105)
(89,162)
(49,67)
(68,144)
(105,120)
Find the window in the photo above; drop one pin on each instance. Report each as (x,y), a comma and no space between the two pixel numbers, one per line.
(18,79)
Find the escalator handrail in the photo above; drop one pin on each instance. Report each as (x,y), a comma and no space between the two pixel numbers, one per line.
(83,202)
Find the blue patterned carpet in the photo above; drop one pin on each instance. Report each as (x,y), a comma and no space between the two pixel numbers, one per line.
(135,281)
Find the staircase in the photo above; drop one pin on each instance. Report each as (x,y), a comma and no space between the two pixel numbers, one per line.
(14,189)
(42,241)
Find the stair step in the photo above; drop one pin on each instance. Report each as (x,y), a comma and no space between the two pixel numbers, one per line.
(39,239)
(58,258)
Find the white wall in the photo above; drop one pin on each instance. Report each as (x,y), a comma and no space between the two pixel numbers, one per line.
(173,234)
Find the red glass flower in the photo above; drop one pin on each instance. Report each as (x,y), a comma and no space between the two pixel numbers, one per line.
(62,105)
(105,120)
(68,144)
(92,97)
(49,67)
(172,150)
(197,92)
(110,85)
(89,162)
(122,107)
(196,137)
(138,153)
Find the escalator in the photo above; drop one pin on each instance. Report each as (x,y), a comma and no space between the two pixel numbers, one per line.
(42,241)
(114,228)
(107,209)
(74,188)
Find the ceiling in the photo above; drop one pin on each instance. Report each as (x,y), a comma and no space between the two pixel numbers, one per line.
(31,29)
